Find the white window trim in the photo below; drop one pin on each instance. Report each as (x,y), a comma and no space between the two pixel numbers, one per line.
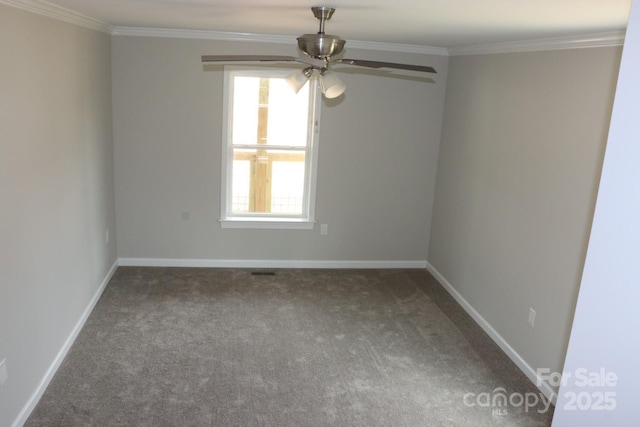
(306,221)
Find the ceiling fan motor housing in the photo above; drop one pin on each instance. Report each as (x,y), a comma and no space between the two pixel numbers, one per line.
(320,46)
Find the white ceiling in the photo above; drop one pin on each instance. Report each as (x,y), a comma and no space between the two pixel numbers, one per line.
(437,23)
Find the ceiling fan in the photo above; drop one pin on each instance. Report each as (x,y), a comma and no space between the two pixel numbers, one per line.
(320,50)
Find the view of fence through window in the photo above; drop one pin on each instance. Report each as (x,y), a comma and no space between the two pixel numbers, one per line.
(269,142)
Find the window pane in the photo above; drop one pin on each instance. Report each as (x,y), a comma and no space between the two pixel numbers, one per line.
(288,114)
(274,116)
(268,181)
(246,92)
(287,188)
(240,186)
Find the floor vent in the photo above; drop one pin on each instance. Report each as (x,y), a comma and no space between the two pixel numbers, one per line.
(263,273)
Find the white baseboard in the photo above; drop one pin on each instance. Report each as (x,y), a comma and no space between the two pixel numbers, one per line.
(57,361)
(233,263)
(542,385)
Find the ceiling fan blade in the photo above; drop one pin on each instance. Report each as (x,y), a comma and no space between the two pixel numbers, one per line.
(378,64)
(316,63)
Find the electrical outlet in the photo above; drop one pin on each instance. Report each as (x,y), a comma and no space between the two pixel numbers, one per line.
(106,236)
(324,229)
(3,371)
(532,317)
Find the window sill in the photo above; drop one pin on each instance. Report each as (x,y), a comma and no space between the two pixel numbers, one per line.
(268,223)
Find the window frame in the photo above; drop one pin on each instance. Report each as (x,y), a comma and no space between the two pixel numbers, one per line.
(304,221)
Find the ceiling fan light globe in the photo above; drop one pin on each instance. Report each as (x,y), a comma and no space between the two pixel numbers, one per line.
(298,79)
(331,85)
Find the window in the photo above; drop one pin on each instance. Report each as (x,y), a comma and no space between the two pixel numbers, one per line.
(269,151)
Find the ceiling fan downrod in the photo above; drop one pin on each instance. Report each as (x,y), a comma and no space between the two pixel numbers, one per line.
(322,14)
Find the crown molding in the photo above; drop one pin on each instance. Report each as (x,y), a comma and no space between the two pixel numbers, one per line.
(42,7)
(397,47)
(267,38)
(613,38)
(175,33)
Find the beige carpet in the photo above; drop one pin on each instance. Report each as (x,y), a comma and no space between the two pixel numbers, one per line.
(223,347)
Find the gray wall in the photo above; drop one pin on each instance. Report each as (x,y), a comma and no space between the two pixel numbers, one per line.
(520,158)
(377,159)
(56,187)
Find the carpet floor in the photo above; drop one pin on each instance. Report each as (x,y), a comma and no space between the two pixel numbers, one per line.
(225,347)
